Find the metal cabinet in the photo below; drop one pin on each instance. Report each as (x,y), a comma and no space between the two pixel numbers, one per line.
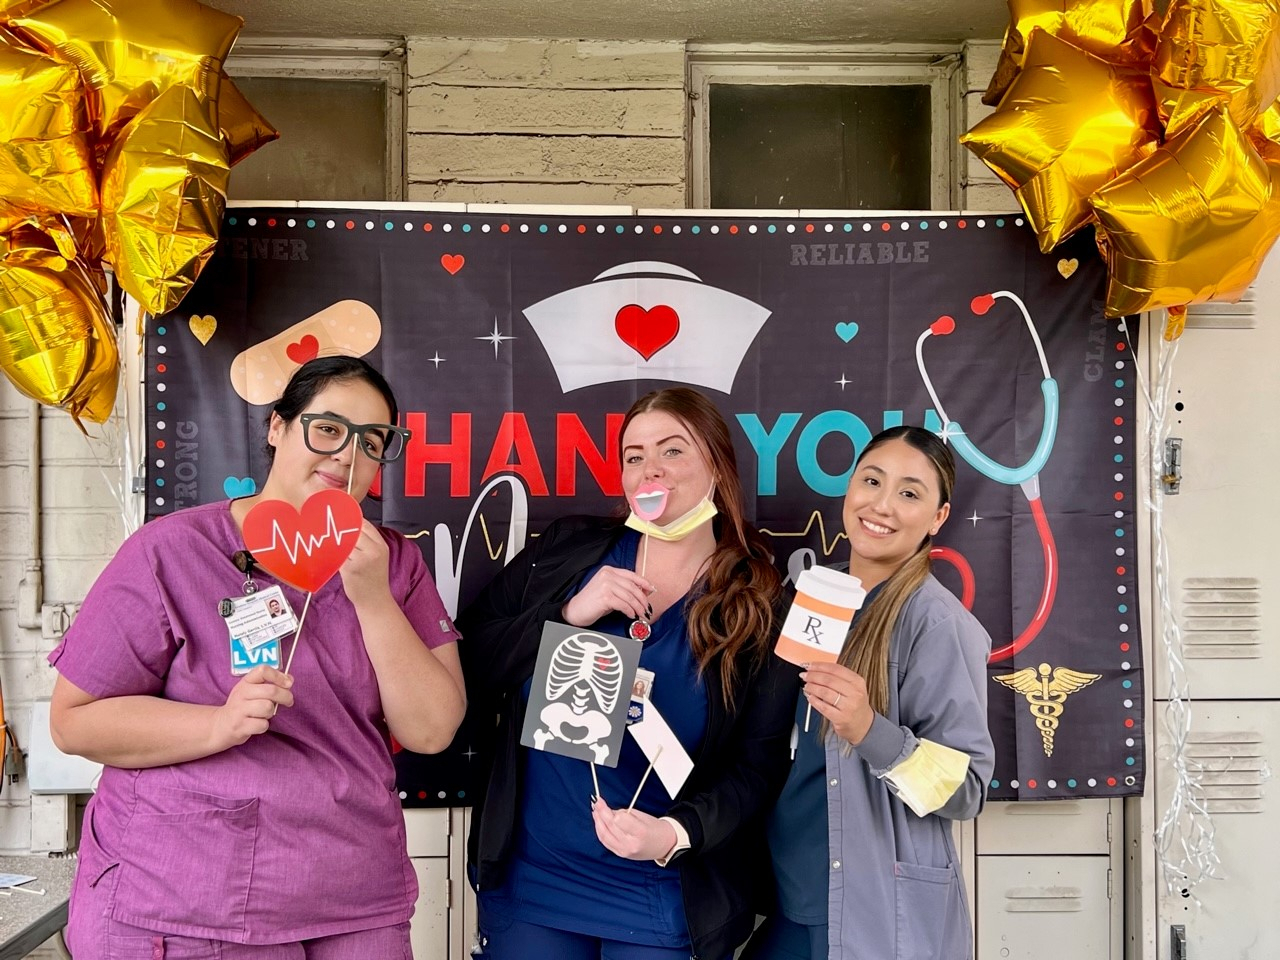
(1237,743)
(1044,908)
(428,840)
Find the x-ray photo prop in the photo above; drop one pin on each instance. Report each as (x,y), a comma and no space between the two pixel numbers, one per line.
(580,692)
(819,618)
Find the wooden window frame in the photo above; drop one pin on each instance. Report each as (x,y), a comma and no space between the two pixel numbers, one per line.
(936,66)
(377,60)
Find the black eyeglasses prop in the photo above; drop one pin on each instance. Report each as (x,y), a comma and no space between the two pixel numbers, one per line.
(328,433)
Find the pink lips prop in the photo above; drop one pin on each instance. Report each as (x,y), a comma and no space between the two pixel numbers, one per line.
(649,500)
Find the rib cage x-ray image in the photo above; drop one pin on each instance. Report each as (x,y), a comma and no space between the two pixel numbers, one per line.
(576,707)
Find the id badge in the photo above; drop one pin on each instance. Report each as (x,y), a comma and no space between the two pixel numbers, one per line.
(641,692)
(245,658)
(255,625)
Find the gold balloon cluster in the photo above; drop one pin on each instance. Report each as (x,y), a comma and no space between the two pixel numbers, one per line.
(1163,131)
(118,129)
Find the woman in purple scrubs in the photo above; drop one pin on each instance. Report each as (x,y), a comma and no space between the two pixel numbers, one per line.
(254,814)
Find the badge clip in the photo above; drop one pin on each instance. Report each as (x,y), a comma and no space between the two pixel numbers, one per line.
(244,562)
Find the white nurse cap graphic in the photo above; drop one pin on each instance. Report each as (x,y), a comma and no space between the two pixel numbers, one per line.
(646,320)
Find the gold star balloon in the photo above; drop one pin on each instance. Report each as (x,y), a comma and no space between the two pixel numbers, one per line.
(129,51)
(1217,51)
(1068,124)
(243,127)
(1192,222)
(115,147)
(57,344)
(46,165)
(94,397)
(1267,127)
(1114,30)
(20,8)
(164,188)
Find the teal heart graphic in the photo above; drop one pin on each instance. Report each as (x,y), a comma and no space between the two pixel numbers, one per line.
(847,330)
(239,487)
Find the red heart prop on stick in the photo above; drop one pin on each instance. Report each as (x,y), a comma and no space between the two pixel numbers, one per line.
(304,548)
(646,331)
(308,348)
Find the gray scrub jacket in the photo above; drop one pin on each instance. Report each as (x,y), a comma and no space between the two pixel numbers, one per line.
(895,891)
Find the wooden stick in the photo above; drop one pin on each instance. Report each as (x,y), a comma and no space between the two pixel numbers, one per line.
(298,633)
(656,754)
(594,779)
(808,712)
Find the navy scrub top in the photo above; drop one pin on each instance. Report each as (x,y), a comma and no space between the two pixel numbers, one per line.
(560,875)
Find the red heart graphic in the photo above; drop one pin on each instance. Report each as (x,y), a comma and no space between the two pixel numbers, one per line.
(452,261)
(646,331)
(305,349)
(304,548)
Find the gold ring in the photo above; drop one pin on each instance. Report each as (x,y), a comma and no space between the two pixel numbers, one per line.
(836,701)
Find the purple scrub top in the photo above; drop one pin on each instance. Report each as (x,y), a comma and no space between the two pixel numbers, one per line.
(298,832)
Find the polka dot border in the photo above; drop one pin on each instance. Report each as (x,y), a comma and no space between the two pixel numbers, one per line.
(570,226)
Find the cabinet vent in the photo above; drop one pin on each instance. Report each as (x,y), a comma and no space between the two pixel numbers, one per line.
(1044,900)
(1225,316)
(1222,618)
(1233,769)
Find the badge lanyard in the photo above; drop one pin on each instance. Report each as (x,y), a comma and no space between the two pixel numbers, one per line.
(641,628)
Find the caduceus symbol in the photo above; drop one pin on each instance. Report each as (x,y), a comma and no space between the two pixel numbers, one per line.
(1046,689)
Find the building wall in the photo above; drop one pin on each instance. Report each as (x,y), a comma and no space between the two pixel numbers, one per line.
(546,121)
(81,527)
(980,188)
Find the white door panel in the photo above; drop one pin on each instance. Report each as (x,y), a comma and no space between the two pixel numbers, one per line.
(429,930)
(1062,827)
(1044,908)
(1224,522)
(1237,916)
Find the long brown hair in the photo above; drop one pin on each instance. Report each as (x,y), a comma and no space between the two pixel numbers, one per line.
(732,618)
(866,649)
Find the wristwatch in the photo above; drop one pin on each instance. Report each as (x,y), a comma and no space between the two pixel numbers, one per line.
(681,845)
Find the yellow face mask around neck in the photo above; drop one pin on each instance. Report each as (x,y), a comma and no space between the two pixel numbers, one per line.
(680,527)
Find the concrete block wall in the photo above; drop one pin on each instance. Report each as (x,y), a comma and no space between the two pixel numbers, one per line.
(981,189)
(81,528)
(546,121)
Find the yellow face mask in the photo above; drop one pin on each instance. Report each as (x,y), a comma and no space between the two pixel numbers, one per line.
(928,778)
(680,527)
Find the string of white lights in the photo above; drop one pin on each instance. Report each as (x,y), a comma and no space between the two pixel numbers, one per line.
(1184,838)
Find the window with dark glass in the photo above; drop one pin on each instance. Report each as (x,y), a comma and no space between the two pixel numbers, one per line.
(832,146)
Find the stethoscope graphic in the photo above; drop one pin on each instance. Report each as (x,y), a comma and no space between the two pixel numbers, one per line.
(1027,476)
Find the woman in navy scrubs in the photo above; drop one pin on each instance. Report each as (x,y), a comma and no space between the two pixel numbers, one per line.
(559,871)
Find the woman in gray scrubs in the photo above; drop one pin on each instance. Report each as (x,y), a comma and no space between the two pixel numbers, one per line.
(861,836)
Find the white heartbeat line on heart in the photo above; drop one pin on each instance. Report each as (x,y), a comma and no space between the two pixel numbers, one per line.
(303,543)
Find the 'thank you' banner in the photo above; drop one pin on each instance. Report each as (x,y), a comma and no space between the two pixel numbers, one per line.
(515,344)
